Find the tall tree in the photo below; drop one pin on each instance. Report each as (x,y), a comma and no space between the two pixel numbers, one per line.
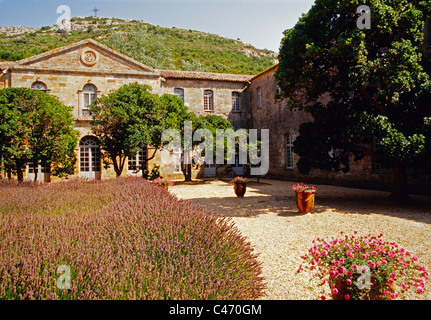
(132,117)
(359,85)
(35,127)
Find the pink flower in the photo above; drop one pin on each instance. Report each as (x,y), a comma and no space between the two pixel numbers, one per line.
(347,297)
(334,273)
(349,273)
(349,282)
(393,275)
(390,281)
(420,290)
(394,295)
(335,291)
(386,293)
(355,267)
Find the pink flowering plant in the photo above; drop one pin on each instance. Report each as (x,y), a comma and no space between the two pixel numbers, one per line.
(365,268)
(163,181)
(240,180)
(303,187)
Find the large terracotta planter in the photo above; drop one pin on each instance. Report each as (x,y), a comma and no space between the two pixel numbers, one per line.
(343,289)
(240,188)
(304,201)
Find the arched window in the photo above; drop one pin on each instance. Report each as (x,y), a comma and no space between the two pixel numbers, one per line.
(179,93)
(89,93)
(38,85)
(208,100)
(86,96)
(89,158)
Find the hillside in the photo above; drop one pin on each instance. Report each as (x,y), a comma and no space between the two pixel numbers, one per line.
(155,46)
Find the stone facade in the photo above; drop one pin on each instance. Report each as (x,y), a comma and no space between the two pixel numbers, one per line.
(65,72)
(269,112)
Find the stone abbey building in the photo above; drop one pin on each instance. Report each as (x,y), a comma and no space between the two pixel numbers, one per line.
(79,73)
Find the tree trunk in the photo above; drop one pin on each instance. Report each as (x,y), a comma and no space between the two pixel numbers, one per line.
(187,165)
(35,170)
(187,171)
(19,174)
(118,166)
(400,192)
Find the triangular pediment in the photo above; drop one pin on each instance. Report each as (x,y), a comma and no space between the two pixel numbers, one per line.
(85,56)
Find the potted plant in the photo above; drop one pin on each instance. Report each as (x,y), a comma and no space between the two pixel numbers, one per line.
(304,197)
(365,268)
(163,182)
(240,186)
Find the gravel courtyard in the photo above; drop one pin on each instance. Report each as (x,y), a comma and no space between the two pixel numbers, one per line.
(267,216)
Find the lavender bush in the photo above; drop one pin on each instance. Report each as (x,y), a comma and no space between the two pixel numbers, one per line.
(123,239)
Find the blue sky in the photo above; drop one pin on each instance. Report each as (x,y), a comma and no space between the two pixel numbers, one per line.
(258,22)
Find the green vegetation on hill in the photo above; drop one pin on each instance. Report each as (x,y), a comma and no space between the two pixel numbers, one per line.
(155,46)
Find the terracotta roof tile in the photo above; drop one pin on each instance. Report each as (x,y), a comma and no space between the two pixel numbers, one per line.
(176,74)
(5,65)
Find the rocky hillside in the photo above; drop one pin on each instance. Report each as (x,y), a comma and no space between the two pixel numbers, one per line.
(155,46)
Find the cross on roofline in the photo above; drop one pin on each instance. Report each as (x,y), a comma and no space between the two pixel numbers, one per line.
(95,10)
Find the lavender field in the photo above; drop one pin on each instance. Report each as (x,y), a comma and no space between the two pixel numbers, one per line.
(122,239)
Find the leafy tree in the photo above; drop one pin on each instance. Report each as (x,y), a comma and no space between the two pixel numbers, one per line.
(133,117)
(231,140)
(35,127)
(359,84)
(214,123)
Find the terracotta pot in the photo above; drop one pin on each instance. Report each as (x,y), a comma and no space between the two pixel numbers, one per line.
(304,201)
(343,289)
(239,188)
(164,186)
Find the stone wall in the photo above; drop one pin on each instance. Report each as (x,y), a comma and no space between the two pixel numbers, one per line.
(222,95)
(281,122)
(67,70)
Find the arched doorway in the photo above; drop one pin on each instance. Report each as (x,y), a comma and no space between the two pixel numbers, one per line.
(89,158)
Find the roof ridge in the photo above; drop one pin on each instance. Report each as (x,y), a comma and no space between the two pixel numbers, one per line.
(203,75)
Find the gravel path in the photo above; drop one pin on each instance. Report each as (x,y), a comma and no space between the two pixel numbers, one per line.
(268,217)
